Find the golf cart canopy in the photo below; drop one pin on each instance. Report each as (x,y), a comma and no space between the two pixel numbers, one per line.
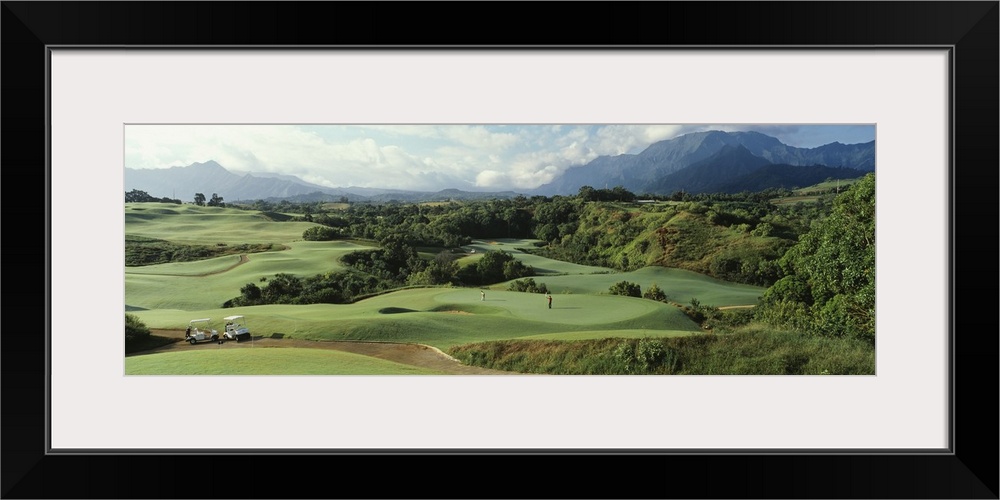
(232,318)
(200,320)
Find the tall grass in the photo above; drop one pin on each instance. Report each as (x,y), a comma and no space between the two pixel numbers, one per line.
(751,350)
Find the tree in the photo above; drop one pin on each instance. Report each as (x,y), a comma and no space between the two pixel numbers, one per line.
(587,193)
(654,293)
(495,266)
(619,193)
(442,269)
(283,288)
(828,282)
(216,201)
(527,285)
(763,229)
(136,195)
(626,288)
(320,233)
(250,293)
(199,199)
(547,232)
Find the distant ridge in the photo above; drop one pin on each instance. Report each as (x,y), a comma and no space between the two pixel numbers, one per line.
(709,154)
(212,178)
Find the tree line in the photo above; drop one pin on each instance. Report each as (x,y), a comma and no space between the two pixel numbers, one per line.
(140,196)
(369,272)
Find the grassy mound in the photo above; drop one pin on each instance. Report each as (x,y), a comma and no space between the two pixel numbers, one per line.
(265,361)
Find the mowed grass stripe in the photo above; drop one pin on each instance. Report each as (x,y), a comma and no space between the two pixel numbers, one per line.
(189,224)
(184,285)
(543,266)
(193,268)
(679,285)
(266,361)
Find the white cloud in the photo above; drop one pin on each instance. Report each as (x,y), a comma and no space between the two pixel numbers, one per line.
(621,139)
(479,137)
(425,157)
(490,178)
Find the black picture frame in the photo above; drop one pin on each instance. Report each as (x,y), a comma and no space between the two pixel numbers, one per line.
(969,28)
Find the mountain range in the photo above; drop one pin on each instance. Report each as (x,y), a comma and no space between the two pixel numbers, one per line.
(711,161)
(211,178)
(700,162)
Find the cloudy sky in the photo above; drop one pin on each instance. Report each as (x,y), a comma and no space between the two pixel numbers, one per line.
(426,157)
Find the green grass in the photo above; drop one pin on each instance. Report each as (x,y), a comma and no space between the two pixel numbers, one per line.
(543,266)
(443,317)
(213,265)
(679,285)
(208,283)
(190,285)
(194,225)
(265,361)
(826,185)
(811,194)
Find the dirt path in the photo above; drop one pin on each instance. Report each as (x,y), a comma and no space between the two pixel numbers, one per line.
(723,308)
(420,355)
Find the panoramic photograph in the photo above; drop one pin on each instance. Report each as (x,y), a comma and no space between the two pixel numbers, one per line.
(499,249)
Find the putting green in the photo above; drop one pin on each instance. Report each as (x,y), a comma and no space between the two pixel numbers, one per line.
(566,309)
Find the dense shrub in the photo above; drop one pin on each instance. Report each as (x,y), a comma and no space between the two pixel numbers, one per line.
(626,288)
(527,285)
(320,233)
(495,266)
(828,283)
(135,329)
(654,292)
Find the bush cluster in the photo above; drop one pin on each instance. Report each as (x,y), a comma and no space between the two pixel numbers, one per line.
(527,285)
(135,329)
(626,288)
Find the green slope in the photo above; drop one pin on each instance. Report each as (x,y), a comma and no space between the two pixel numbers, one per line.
(265,361)
(443,317)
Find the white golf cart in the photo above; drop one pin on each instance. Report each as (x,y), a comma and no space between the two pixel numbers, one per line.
(236,328)
(199,330)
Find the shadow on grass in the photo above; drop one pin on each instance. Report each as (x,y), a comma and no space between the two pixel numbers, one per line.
(395,310)
(148,343)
